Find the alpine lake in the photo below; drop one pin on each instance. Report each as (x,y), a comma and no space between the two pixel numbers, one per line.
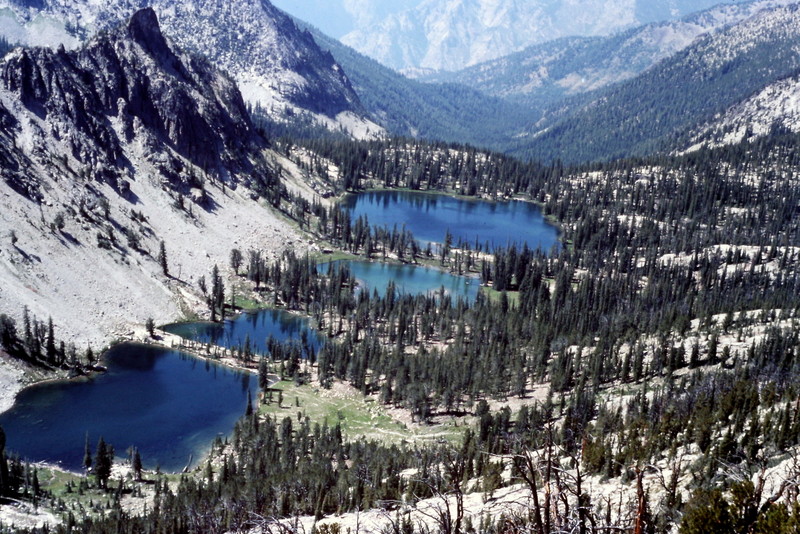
(171,405)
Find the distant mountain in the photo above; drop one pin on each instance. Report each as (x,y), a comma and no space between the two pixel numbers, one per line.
(106,152)
(542,75)
(340,17)
(434,111)
(278,67)
(453,34)
(650,112)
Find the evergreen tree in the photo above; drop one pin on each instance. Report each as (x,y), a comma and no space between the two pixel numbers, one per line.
(8,332)
(162,258)
(50,346)
(136,464)
(87,454)
(707,512)
(216,301)
(236,260)
(103,461)
(263,374)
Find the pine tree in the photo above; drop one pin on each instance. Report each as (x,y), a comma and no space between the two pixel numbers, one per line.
(707,513)
(50,347)
(217,298)
(26,321)
(103,461)
(236,259)
(8,332)
(263,374)
(136,464)
(162,258)
(87,454)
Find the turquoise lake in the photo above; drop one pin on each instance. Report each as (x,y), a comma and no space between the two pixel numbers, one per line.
(408,279)
(168,404)
(430,216)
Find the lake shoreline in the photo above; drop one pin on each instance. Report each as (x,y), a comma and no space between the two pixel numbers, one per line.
(551,220)
(540,232)
(153,376)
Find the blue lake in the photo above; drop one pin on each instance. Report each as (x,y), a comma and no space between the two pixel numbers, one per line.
(408,279)
(169,405)
(429,216)
(257,326)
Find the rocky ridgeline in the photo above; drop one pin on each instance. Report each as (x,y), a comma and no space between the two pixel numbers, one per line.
(130,85)
(110,153)
(279,68)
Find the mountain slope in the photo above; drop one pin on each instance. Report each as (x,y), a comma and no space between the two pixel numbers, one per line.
(543,74)
(339,17)
(644,114)
(446,112)
(777,106)
(453,34)
(109,151)
(278,67)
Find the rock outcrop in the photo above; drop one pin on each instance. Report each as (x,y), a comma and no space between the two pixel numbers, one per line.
(109,150)
(279,68)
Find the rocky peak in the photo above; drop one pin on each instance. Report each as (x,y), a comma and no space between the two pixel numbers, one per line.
(143,29)
(129,92)
(106,152)
(278,66)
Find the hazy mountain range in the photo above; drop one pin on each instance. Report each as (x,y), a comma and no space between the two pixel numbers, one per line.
(448,35)
(655,111)
(544,73)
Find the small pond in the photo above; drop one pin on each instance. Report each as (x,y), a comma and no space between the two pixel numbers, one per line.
(256,326)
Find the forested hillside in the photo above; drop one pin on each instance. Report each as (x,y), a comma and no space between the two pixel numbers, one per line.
(646,114)
(542,75)
(445,112)
(773,108)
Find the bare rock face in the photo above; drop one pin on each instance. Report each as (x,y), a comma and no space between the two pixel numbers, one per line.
(131,82)
(278,67)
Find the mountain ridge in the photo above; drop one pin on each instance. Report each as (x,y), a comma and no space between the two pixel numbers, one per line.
(110,152)
(447,35)
(647,114)
(434,111)
(542,74)
(776,106)
(279,68)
